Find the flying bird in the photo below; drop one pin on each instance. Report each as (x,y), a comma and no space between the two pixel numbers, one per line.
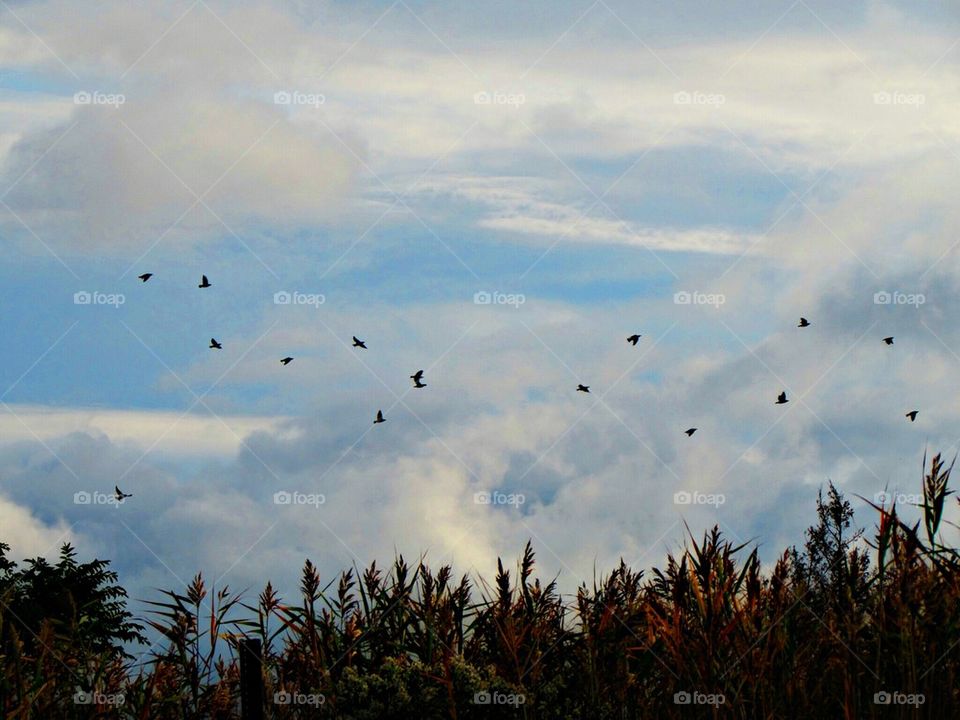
(804,322)
(286,361)
(119,494)
(214,345)
(633,339)
(690,432)
(417,377)
(781,399)
(359,343)
(583,388)
(912,415)
(145,276)
(204,283)
(888,340)
(380,417)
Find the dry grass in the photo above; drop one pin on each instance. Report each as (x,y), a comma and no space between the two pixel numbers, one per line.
(815,636)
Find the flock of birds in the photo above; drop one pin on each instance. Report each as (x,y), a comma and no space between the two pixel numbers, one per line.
(781,398)
(417,377)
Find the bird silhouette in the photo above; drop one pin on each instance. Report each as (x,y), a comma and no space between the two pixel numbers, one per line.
(286,361)
(633,339)
(417,377)
(204,283)
(888,340)
(359,343)
(380,417)
(583,388)
(690,432)
(119,494)
(804,322)
(912,415)
(781,399)
(145,276)
(214,345)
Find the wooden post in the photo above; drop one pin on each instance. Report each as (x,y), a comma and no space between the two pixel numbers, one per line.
(251,680)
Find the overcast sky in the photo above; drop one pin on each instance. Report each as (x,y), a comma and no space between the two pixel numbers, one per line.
(700,173)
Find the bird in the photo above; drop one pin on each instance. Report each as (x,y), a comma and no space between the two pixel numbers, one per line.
(888,340)
(204,283)
(690,432)
(119,494)
(359,343)
(214,345)
(804,322)
(417,377)
(912,415)
(633,339)
(583,388)
(380,417)
(145,276)
(286,361)
(781,399)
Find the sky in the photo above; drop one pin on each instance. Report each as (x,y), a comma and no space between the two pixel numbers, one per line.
(498,195)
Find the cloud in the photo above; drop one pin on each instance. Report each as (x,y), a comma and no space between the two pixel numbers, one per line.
(177,434)
(28,536)
(172,166)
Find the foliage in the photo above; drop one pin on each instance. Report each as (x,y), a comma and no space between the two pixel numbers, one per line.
(823,633)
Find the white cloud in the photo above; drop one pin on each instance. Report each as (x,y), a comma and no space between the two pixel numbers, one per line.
(28,536)
(173,434)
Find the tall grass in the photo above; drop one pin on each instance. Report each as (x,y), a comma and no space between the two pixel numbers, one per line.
(824,633)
